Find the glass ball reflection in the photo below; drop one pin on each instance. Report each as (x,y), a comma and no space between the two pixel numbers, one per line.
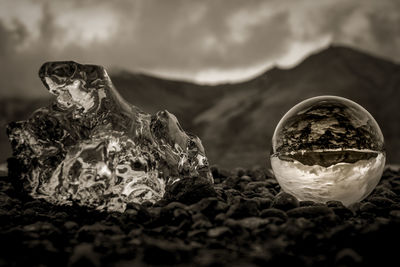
(328,148)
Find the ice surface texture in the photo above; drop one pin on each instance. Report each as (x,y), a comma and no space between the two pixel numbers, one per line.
(93,148)
(328,148)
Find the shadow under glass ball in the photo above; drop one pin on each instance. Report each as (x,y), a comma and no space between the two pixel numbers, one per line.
(328,148)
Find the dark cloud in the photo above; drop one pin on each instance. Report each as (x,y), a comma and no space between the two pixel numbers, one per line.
(183,38)
(369,25)
(48,30)
(207,40)
(6,41)
(19,64)
(384,25)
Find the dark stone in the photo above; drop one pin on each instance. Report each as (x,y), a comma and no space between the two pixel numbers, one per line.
(84,255)
(44,229)
(172,214)
(285,201)
(218,231)
(232,182)
(176,234)
(272,183)
(306,203)
(87,233)
(199,233)
(243,207)
(232,195)
(69,225)
(381,201)
(273,213)
(383,191)
(189,191)
(348,257)
(203,223)
(257,187)
(251,223)
(218,172)
(368,207)
(395,214)
(334,204)
(310,212)
(210,206)
(220,217)
(263,202)
(355,207)
(240,172)
(154,212)
(162,252)
(343,212)
(172,206)
(258,173)
(179,216)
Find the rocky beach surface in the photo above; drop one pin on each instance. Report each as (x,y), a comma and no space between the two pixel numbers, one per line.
(242,220)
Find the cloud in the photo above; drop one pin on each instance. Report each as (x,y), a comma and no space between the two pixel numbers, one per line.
(369,25)
(196,40)
(21,57)
(383,30)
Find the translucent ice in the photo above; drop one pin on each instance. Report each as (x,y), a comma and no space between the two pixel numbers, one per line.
(328,148)
(93,148)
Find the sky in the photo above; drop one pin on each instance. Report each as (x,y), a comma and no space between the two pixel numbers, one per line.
(204,41)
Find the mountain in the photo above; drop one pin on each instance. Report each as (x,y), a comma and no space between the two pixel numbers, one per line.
(236,121)
(239,126)
(184,99)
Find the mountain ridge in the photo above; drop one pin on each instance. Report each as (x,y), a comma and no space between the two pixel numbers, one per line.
(236,120)
(324,73)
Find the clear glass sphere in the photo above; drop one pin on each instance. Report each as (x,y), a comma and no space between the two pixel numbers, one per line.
(328,148)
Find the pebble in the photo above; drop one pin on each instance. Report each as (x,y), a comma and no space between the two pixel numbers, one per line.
(263,202)
(395,214)
(368,207)
(243,207)
(272,212)
(343,212)
(240,172)
(334,204)
(248,224)
(220,217)
(190,191)
(385,192)
(252,222)
(69,225)
(306,203)
(84,255)
(210,206)
(218,231)
(256,187)
(164,252)
(347,257)
(285,201)
(197,233)
(310,212)
(381,201)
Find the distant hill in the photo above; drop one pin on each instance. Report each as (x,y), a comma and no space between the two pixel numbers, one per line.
(236,121)
(184,99)
(239,127)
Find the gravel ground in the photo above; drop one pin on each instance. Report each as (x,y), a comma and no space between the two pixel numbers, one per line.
(243,220)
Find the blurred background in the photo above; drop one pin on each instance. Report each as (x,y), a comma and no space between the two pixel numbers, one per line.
(228,69)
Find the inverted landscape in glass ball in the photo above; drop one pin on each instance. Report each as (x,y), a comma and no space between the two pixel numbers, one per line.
(328,148)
